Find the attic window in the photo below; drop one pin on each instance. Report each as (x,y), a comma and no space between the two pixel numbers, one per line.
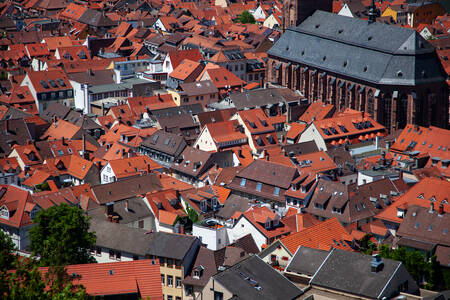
(258,187)
(365,69)
(303,52)
(369,38)
(287,48)
(345,63)
(399,74)
(340,30)
(324,58)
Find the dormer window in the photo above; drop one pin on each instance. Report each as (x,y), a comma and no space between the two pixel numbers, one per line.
(267,225)
(4,212)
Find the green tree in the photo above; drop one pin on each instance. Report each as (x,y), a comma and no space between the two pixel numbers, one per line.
(246,18)
(20,278)
(418,266)
(192,214)
(61,236)
(366,245)
(6,251)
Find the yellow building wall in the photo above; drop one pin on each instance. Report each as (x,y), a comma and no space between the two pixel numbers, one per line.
(282,256)
(389,12)
(427,13)
(175,96)
(174,291)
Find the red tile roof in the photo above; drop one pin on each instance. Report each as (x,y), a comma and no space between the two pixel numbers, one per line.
(177,56)
(119,278)
(15,199)
(131,166)
(320,236)
(41,81)
(185,69)
(225,131)
(258,217)
(316,111)
(142,105)
(420,195)
(61,129)
(222,78)
(345,126)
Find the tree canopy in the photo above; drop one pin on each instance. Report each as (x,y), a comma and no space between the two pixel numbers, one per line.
(61,236)
(418,266)
(20,278)
(246,18)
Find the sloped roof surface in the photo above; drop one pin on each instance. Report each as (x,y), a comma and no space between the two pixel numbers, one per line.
(376,52)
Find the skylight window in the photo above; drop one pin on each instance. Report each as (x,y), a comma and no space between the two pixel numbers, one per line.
(276,191)
(243,182)
(259,186)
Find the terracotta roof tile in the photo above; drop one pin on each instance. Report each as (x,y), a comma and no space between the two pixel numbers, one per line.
(119,278)
(320,236)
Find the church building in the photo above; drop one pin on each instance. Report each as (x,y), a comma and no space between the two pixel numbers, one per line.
(390,72)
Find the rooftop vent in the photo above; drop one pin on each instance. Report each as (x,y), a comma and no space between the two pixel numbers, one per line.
(376,265)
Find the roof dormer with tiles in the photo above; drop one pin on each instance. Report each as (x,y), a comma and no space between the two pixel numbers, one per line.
(347,129)
(221,135)
(48,87)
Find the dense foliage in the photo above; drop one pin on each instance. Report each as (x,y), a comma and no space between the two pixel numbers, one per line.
(427,273)
(20,278)
(246,18)
(61,236)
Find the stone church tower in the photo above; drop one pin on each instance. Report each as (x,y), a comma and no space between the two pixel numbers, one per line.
(296,11)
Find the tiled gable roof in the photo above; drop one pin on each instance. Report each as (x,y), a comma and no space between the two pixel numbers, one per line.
(140,277)
(49,81)
(323,236)
(185,69)
(420,195)
(222,78)
(176,57)
(15,199)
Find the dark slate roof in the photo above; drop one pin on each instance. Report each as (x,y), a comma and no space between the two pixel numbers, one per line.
(233,204)
(139,241)
(261,97)
(301,148)
(307,261)
(205,259)
(165,142)
(137,210)
(247,243)
(55,110)
(269,173)
(350,272)
(192,109)
(419,224)
(170,245)
(96,19)
(199,88)
(115,191)
(120,237)
(97,77)
(243,278)
(376,52)
(13,132)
